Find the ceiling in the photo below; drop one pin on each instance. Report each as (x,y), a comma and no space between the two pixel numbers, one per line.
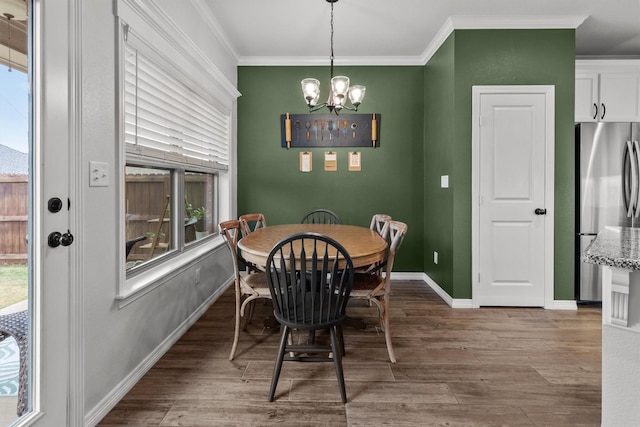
(275,32)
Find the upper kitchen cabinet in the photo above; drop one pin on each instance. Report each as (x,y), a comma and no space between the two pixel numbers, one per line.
(607,91)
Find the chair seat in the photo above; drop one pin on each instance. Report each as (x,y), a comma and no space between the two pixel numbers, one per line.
(254,283)
(367,285)
(307,311)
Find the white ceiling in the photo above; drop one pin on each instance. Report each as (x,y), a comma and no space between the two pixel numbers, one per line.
(274,32)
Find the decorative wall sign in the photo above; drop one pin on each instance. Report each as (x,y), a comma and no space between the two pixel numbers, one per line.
(306,162)
(330,161)
(355,161)
(329,130)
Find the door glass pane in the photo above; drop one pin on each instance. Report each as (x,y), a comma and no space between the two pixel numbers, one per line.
(15,147)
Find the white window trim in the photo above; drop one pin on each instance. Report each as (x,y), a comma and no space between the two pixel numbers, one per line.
(151,21)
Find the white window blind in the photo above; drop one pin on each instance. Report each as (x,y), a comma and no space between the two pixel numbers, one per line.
(164,117)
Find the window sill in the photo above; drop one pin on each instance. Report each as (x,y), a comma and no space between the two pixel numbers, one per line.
(137,286)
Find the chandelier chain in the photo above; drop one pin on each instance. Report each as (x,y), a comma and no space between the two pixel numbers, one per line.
(332,31)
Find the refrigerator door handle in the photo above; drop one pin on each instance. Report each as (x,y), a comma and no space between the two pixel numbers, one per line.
(629,190)
(625,177)
(636,160)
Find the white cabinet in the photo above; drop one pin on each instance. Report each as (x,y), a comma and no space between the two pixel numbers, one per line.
(607,91)
(587,101)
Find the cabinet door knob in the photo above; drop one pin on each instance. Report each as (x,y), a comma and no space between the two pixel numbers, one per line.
(595,106)
(604,111)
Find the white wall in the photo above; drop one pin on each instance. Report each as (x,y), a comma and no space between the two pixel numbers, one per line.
(123,338)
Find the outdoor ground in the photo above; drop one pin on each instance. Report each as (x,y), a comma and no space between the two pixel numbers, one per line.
(13,284)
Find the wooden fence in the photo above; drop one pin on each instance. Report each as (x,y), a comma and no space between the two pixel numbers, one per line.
(146,199)
(13,219)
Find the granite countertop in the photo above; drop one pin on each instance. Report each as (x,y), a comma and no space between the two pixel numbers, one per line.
(615,247)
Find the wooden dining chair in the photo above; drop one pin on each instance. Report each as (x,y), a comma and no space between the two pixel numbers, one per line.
(249,286)
(251,222)
(321,216)
(376,288)
(310,278)
(380,224)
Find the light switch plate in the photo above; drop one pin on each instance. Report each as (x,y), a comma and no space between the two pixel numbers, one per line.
(98,174)
(444,181)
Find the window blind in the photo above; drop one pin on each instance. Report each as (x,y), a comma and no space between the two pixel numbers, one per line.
(165,118)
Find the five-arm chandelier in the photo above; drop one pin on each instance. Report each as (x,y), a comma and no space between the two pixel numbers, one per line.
(340,88)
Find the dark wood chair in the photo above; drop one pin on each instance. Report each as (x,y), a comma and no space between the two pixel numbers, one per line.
(310,278)
(321,216)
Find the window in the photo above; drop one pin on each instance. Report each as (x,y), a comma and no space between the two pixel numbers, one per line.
(176,144)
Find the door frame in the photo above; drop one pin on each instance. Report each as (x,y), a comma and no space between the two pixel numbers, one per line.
(549,92)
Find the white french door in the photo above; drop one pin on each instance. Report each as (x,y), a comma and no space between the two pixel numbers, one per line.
(513,137)
(52,163)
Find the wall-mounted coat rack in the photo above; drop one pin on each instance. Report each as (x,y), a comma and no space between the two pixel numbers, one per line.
(329,130)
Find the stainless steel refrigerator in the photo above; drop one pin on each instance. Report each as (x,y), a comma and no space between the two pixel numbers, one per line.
(607,191)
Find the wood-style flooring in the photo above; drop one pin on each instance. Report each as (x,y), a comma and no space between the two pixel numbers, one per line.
(456,367)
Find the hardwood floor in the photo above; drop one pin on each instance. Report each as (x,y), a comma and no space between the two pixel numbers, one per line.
(472,367)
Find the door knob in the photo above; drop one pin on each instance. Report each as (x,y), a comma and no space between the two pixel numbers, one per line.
(56,239)
(540,211)
(66,239)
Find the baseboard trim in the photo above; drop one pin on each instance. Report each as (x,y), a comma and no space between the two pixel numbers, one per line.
(468,303)
(94,416)
(564,305)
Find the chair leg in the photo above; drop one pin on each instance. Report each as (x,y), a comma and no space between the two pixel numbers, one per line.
(278,367)
(387,331)
(236,333)
(341,339)
(249,315)
(337,361)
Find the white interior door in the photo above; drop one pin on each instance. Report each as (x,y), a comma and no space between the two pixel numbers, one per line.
(513,212)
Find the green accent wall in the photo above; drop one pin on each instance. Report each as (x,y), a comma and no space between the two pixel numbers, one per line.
(491,57)
(269,179)
(425,133)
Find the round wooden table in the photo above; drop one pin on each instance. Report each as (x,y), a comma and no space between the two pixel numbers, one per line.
(365,246)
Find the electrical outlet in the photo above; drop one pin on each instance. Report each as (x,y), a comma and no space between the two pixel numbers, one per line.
(99,174)
(435,257)
(197,275)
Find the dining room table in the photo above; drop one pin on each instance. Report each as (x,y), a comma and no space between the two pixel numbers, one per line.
(365,246)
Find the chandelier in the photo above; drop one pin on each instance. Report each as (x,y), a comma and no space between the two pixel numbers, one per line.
(340,88)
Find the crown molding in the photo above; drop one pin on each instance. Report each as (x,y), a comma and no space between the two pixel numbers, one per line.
(452,23)
(317,61)
(214,25)
(540,22)
(473,22)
